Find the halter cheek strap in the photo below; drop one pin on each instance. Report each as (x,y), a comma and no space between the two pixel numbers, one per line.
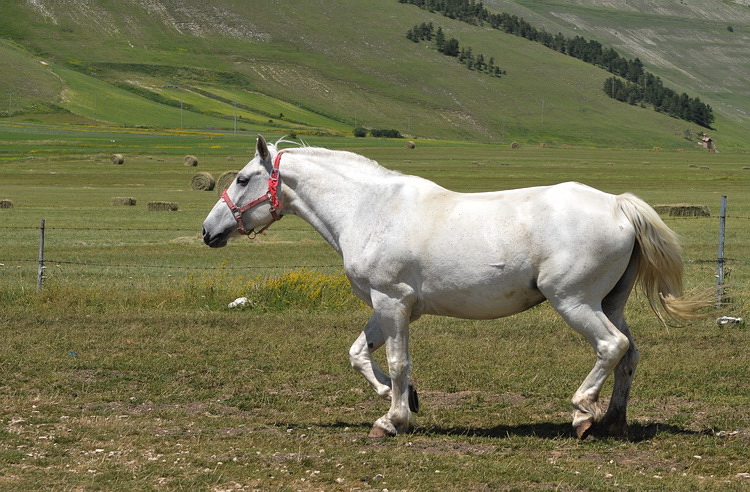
(271,196)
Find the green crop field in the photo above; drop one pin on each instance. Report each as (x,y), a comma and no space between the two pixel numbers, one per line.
(129,372)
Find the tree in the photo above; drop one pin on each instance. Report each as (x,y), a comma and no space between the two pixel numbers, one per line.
(480,64)
(451,47)
(440,39)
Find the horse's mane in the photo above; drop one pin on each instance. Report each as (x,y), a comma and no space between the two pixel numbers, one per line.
(303,148)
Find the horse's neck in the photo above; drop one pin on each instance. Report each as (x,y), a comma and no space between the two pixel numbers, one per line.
(326,192)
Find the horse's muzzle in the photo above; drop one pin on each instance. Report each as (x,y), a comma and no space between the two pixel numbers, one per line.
(216,241)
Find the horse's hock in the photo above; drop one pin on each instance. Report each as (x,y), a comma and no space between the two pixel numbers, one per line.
(683,210)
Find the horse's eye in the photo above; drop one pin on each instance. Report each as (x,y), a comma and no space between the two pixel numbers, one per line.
(242,180)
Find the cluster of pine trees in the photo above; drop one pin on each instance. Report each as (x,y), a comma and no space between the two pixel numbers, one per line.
(638,81)
(450,47)
(663,99)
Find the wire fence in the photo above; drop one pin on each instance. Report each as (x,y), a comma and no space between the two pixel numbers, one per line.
(106,264)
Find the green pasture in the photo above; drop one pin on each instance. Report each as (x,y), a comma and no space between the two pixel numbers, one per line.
(129,372)
(264,105)
(102,102)
(185,107)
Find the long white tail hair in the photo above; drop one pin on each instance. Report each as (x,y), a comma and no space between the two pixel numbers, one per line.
(660,267)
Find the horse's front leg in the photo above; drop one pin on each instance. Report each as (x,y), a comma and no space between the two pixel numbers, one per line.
(393,319)
(360,356)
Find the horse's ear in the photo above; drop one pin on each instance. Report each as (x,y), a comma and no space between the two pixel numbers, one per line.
(262,149)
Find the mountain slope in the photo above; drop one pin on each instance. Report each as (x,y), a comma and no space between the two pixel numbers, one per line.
(322,66)
(702,48)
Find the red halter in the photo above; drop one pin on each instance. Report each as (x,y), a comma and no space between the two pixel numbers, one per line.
(270,196)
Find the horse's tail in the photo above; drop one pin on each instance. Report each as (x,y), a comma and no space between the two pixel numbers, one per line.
(660,265)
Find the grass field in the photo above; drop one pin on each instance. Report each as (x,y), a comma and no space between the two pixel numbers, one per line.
(129,372)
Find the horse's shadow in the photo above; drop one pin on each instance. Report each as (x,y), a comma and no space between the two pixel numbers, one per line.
(637,432)
(554,430)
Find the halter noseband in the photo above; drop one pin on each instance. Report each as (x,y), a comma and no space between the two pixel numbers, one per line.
(271,196)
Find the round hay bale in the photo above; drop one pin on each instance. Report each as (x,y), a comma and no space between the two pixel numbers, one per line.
(225,180)
(515,145)
(190,161)
(6,204)
(123,201)
(162,207)
(203,182)
(117,159)
(411,145)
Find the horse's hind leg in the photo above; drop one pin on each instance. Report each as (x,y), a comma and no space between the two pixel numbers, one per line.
(609,343)
(615,420)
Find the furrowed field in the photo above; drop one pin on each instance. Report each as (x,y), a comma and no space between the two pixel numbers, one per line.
(129,372)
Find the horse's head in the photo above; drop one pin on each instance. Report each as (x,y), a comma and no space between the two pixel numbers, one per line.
(249,203)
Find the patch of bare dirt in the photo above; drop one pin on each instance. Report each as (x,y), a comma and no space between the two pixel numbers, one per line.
(441,399)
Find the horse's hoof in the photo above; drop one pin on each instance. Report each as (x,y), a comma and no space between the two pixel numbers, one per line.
(618,429)
(378,432)
(583,430)
(413,399)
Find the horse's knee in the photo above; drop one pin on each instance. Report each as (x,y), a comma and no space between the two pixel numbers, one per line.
(359,352)
(355,355)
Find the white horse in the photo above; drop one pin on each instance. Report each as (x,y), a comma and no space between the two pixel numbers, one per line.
(411,247)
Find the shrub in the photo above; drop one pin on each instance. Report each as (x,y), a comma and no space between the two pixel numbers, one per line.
(382,133)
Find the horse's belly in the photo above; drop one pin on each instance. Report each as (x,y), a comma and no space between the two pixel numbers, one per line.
(480,303)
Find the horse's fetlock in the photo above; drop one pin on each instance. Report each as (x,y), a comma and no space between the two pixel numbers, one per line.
(587,407)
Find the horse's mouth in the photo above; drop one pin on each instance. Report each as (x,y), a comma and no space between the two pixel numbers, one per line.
(218,241)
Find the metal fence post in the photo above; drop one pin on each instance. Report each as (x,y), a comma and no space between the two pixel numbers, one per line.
(720,258)
(40,271)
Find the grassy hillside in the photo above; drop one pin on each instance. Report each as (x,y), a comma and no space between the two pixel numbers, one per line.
(312,67)
(702,48)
